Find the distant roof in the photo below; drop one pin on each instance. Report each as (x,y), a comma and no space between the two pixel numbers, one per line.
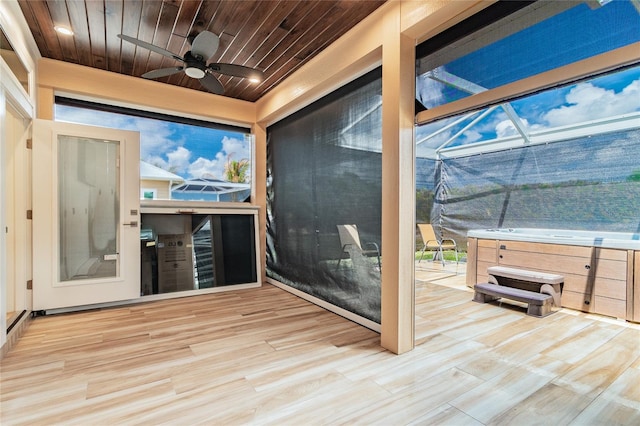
(208,185)
(151,172)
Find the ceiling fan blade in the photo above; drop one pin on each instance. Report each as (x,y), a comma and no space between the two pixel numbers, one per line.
(162,72)
(151,47)
(205,45)
(212,84)
(238,71)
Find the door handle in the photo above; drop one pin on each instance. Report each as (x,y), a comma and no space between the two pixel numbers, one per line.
(133,224)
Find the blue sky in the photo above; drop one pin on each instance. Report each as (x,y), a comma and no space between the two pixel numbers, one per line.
(577,33)
(186,150)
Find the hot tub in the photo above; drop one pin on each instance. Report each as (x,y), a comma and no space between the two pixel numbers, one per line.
(616,240)
(598,266)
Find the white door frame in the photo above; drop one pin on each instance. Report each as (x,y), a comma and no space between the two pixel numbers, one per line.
(13,94)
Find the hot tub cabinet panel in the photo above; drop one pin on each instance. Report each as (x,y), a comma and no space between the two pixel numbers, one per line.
(472,261)
(480,255)
(597,279)
(487,256)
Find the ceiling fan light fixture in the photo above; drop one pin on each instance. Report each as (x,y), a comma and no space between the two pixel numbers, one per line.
(194,72)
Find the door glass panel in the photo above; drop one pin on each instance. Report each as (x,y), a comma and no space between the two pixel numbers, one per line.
(89,205)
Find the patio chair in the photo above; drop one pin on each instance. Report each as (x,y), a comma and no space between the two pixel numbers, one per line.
(432,243)
(350,240)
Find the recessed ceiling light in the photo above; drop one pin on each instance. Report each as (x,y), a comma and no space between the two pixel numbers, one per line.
(63,30)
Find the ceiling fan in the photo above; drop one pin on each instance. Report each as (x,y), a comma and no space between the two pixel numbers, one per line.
(203,46)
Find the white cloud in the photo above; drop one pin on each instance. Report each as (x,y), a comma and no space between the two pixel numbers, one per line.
(235,148)
(157,161)
(210,168)
(159,144)
(588,102)
(155,135)
(471,136)
(178,160)
(506,127)
(232,148)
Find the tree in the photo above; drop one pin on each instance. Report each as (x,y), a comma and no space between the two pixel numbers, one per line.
(236,171)
(635,176)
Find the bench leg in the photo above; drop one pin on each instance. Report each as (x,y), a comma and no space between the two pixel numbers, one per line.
(483,298)
(539,310)
(553,292)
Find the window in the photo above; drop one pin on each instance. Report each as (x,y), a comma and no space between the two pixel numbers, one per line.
(148,194)
(532,121)
(180,158)
(535,39)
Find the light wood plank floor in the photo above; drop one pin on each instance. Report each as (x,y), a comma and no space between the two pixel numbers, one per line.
(264,356)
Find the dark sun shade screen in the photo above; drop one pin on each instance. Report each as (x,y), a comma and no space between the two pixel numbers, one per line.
(324,175)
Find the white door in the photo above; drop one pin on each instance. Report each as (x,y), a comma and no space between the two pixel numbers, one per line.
(85,215)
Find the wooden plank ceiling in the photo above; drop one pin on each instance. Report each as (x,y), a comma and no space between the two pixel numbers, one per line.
(275,36)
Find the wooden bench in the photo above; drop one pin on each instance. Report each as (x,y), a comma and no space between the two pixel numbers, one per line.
(539,290)
(539,282)
(539,304)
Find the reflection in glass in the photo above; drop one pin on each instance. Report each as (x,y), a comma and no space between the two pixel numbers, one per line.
(88,200)
(183,252)
(203,253)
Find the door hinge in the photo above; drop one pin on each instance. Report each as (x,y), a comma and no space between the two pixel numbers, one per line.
(30,285)
(29,143)
(29,214)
